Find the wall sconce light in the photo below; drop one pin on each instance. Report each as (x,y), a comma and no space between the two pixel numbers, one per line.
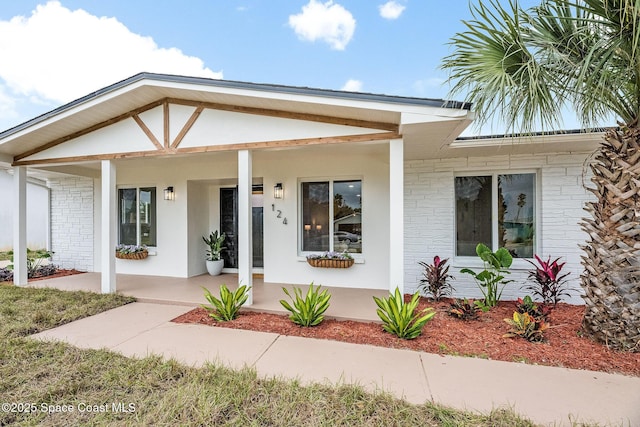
(307,227)
(278,191)
(169,194)
(318,227)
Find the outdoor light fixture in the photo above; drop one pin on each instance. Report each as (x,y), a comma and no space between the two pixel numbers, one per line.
(278,191)
(169,194)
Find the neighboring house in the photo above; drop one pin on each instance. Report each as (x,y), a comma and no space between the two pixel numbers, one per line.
(285,171)
(37,212)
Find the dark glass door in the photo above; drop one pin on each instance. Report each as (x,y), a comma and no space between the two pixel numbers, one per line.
(229,226)
(257,213)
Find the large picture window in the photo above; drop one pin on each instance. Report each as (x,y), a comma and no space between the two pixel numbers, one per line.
(498,210)
(331,216)
(137,216)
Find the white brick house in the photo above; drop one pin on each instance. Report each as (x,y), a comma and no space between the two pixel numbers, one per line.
(385,178)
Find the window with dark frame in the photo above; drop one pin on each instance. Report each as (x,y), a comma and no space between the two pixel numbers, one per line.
(331,217)
(137,223)
(498,210)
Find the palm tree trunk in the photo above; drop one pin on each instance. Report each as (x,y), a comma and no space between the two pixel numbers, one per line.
(611,279)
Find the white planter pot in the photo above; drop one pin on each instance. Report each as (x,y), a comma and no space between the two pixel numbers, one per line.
(215,267)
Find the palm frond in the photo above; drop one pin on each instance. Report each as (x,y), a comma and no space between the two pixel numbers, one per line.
(523,66)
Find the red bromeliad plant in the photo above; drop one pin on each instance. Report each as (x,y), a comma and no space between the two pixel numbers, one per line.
(436,277)
(548,281)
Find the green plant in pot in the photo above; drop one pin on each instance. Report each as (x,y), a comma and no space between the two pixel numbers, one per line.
(215,248)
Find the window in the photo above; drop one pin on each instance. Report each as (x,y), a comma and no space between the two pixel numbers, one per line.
(332,216)
(137,216)
(498,210)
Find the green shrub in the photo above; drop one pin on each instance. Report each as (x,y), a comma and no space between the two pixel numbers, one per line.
(526,305)
(227,307)
(400,318)
(526,326)
(491,280)
(464,309)
(35,258)
(307,311)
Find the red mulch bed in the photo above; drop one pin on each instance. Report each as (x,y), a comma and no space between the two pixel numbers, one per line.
(58,273)
(564,344)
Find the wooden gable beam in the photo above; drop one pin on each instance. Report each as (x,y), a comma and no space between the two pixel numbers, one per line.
(167,147)
(228,147)
(391,127)
(148,132)
(187,126)
(87,130)
(165,115)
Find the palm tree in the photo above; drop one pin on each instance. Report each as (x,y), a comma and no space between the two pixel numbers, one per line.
(523,66)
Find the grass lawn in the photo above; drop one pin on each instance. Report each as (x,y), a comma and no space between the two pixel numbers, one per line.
(104,388)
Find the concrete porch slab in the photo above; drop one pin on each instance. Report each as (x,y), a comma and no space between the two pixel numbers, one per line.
(346,303)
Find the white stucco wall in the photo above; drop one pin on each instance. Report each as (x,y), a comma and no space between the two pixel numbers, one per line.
(198,209)
(282,260)
(197,179)
(37,214)
(72,222)
(430,215)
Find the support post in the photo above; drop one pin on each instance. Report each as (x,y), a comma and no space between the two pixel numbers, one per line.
(245,243)
(20,225)
(396,215)
(108,232)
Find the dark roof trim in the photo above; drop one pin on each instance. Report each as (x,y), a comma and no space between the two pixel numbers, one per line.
(530,134)
(231,84)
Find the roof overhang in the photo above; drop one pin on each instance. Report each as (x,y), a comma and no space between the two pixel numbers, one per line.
(442,121)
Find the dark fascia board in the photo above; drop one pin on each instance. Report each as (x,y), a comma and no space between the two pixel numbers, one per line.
(532,134)
(295,90)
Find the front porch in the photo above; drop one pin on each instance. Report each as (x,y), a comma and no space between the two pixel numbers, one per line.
(346,303)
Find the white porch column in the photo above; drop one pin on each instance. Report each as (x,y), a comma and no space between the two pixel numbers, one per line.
(108,232)
(20,225)
(396,215)
(245,244)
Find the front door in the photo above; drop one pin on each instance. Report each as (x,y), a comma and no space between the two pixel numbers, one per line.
(229,225)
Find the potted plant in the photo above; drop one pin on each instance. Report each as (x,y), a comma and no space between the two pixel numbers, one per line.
(131,251)
(214,242)
(330,260)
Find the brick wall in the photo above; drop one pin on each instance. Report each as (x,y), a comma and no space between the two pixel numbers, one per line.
(430,218)
(72,222)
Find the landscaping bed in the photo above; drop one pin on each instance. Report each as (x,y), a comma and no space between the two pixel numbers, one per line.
(39,276)
(564,343)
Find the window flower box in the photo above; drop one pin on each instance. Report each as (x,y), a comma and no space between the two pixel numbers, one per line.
(131,252)
(330,260)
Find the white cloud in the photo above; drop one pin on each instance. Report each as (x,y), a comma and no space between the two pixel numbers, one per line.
(58,54)
(329,22)
(7,106)
(353,85)
(391,10)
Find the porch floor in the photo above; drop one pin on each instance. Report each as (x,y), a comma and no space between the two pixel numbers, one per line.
(346,303)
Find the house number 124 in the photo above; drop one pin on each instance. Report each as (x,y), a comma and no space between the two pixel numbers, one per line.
(279,214)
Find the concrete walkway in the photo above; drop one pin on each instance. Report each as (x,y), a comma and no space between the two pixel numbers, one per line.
(546,395)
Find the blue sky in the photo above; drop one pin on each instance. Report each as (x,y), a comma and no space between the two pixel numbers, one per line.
(53,52)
